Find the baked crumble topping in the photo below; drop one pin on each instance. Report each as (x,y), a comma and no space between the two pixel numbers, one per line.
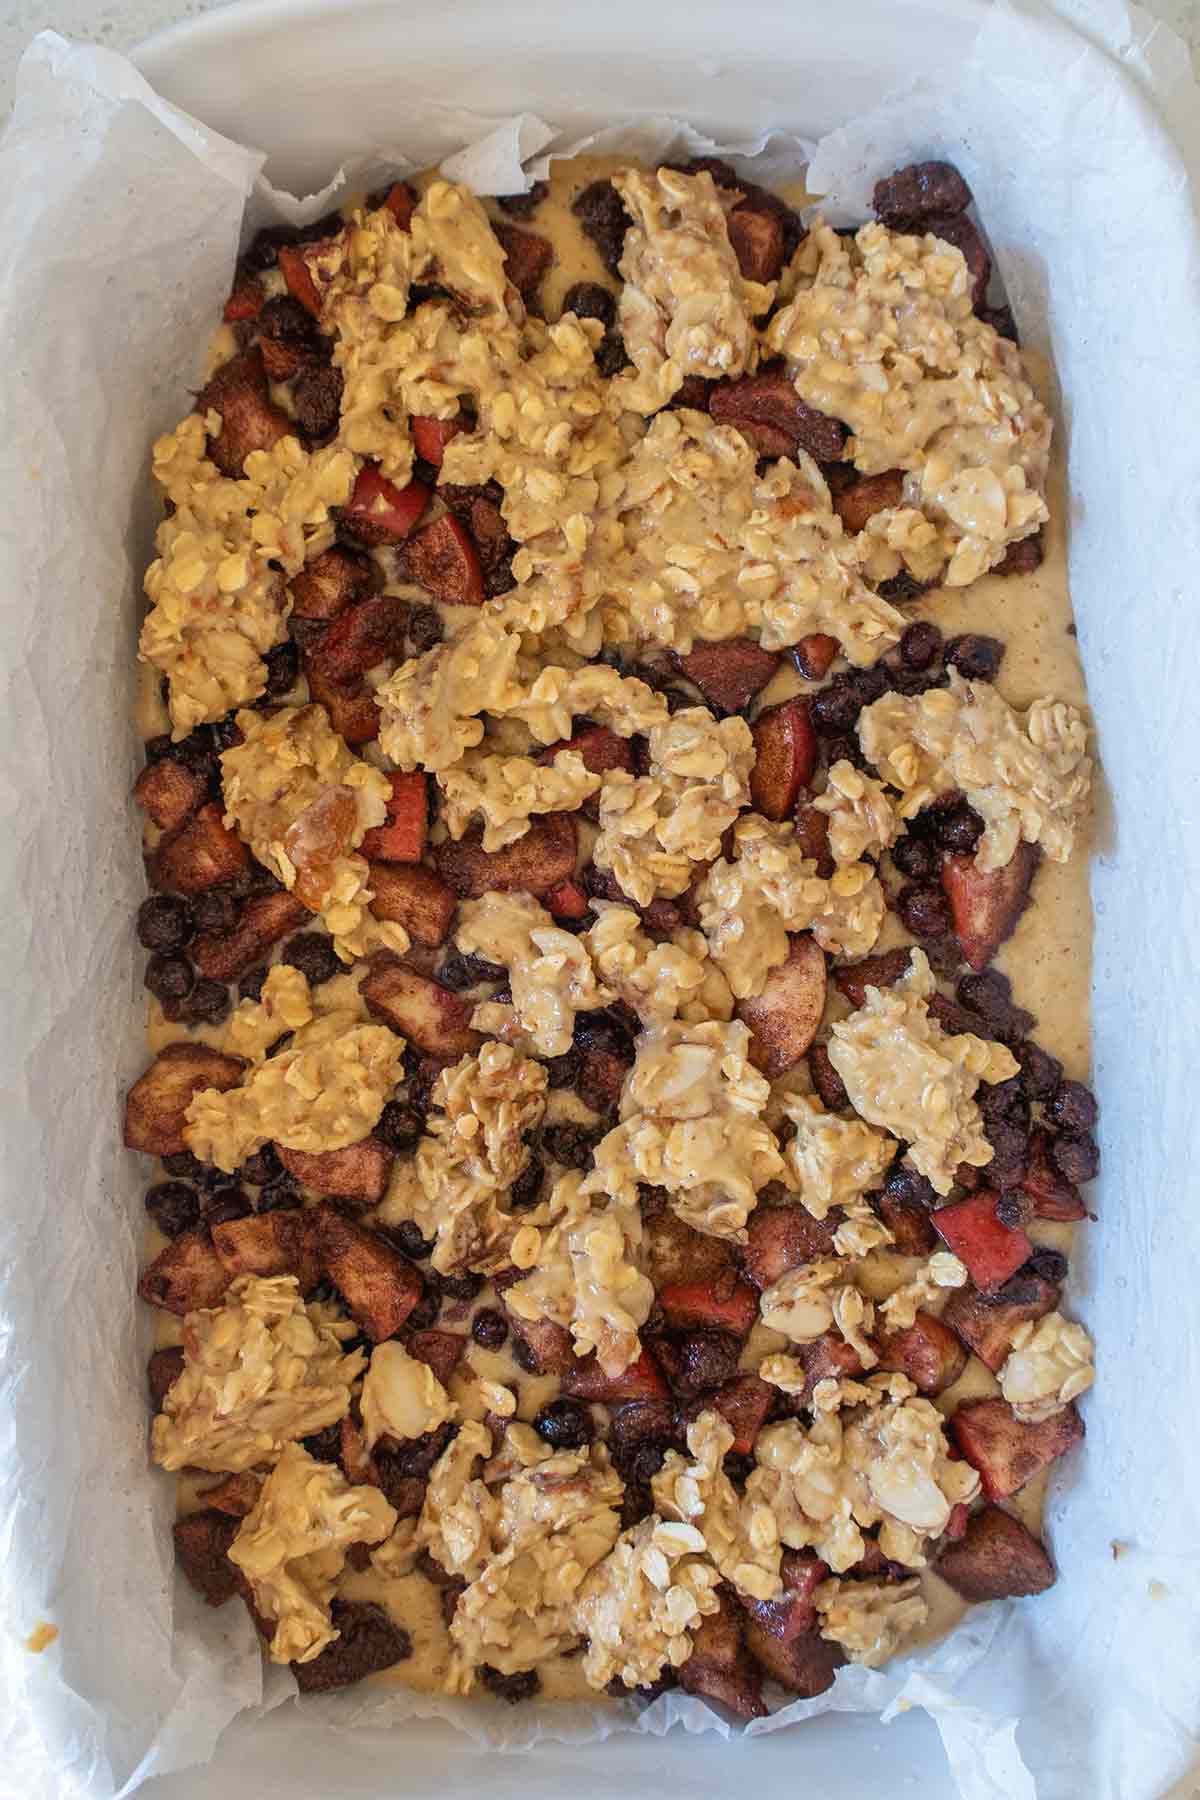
(579,857)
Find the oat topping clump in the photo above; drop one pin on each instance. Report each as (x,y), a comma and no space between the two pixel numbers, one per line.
(552,976)
(638,1606)
(292,1548)
(740,1535)
(259,1370)
(870,1619)
(906,1075)
(1048,1366)
(506,791)
(1027,776)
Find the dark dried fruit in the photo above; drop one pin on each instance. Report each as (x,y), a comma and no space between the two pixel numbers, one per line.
(226,733)
(462,1287)
(916,858)
(250,985)
(958,828)
(283,667)
(574,1146)
(989,994)
(976,657)
(1076,1157)
(228,1203)
(489,1327)
(169,977)
(612,356)
(367,1641)
(920,191)
(513,1688)
(589,300)
(1004,1100)
(279,1196)
(165,922)
(184,1166)
(458,972)
(312,952)
(216,912)
(844,749)
(317,399)
(526,1190)
(207,1004)
(524,1357)
(835,709)
(563,1071)
(1001,320)
(425,628)
(401,1128)
(424,1314)
(920,644)
(567,1424)
(1073,1107)
(1040,1072)
(1010,1155)
(1050,1265)
(263,1167)
(173,1206)
(924,911)
(908,1187)
(738,1467)
(602,215)
(408,1240)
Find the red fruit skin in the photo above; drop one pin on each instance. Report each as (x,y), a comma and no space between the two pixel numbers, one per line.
(401,837)
(598,748)
(642,1380)
(388,511)
(245,302)
(567,901)
(730,672)
(430,437)
(300,284)
(986,907)
(701,1305)
(401,203)
(814,654)
(442,557)
(991,1251)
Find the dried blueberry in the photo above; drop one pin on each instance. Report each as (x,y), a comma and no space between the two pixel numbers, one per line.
(185,1166)
(489,1327)
(916,858)
(590,300)
(424,1314)
(165,922)
(526,1190)
(283,667)
(459,972)
(169,977)
(958,828)
(975,656)
(513,1688)
(1040,1072)
(250,985)
(567,1424)
(312,952)
(835,708)
(924,910)
(1073,1106)
(173,1206)
(920,644)
(207,1004)
(279,1196)
(407,1238)
(462,1287)
(574,1146)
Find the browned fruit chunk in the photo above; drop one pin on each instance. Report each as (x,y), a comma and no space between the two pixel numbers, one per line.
(927,1352)
(200,855)
(202,1542)
(1023,557)
(527,256)
(605,1059)
(169,793)
(674,1252)
(987,906)
(1053,1196)
(236,1495)
(856,504)
(548,1344)
(186,1276)
(805,1665)
(956,229)
(274,1243)
(162,1372)
(909,1223)
(987,1323)
(421,1010)
(411,895)
(771,416)
(584,1379)
(996,1559)
(330,583)
(157,1103)
(783,1019)
(883,971)
(442,1350)
(730,673)
(812,839)
(829,1086)
(380,1288)
(249,418)
(782,1238)
(358,1174)
(720,1668)
(814,654)
(367,1641)
(261,923)
(785,755)
(1006,1451)
(757,239)
(352,709)
(826,1358)
(536,863)
(802,1572)
(359,638)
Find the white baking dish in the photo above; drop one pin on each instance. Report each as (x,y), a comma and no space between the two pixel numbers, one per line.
(311,84)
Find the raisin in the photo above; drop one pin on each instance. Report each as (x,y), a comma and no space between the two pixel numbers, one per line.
(1076,1156)
(408,1240)
(1040,1072)
(1073,1106)
(835,709)
(523,206)
(228,1203)
(738,1467)
(262,880)
(262,252)
(173,1206)
(959,828)
(524,1357)
(279,1196)
(574,1146)
(425,628)
(566,1424)
(612,356)
(207,1004)
(399,1127)
(645,1462)
(326,1445)
(169,977)
(250,985)
(1010,1153)
(976,657)
(183,1165)
(844,749)
(462,1287)
(563,1071)
(284,318)
(919,191)
(602,215)
(216,912)
(924,910)
(489,1327)
(458,971)
(1001,320)
(226,733)
(513,1688)
(589,300)
(526,1190)
(263,1167)
(989,993)
(652,1201)
(155,748)
(312,952)
(1051,1265)
(424,1314)
(1004,1100)
(920,644)
(907,1187)
(283,667)
(902,587)
(165,923)
(916,858)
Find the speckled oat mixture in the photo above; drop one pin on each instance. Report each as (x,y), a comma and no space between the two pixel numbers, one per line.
(610,1231)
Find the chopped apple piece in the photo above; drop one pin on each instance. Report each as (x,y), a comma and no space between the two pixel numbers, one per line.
(725,1304)
(927,1352)
(201,855)
(411,895)
(442,1350)
(870,494)
(378,512)
(186,1276)
(168,792)
(882,971)
(1008,1451)
(401,837)
(720,1667)
(996,1559)
(442,557)
(357,1175)
(987,1323)
(991,1250)
(536,863)
(421,1010)
(366,634)
(157,1103)
(782,1238)
(250,420)
(202,1543)
(784,1018)
(785,753)
(282,1242)
(331,582)
(729,673)
(379,1286)
(986,907)
(642,1380)
(261,923)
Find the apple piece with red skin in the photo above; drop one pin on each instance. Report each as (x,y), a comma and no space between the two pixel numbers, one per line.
(814,654)
(725,1304)
(642,1380)
(442,557)
(987,1323)
(743,1402)
(990,1249)
(1007,1451)
(401,202)
(728,673)
(567,901)
(785,1017)
(201,855)
(782,1238)
(927,1351)
(1053,1196)
(598,748)
(802,1573)
(378,512)
(996,1558)
(430,437)
(785,755)
(882,971)
(986,906)
(420,1009)
(534,864)
(401,837)
(358,639)
(411,895)
(720,1667)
